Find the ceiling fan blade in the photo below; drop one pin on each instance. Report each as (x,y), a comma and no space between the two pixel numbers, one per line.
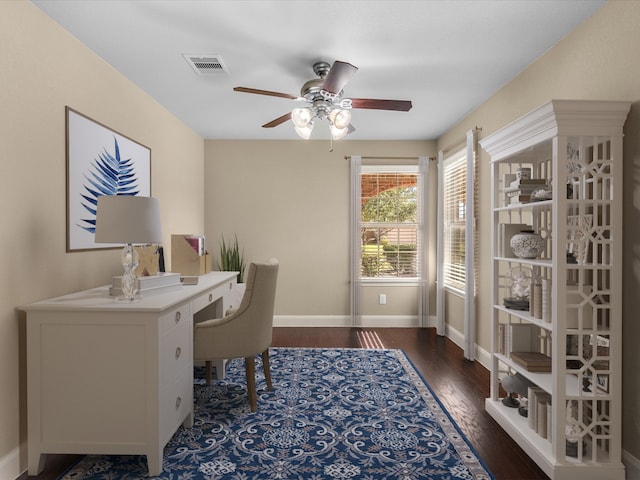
(377,104)
(277,121)
(265,92)
(338,76)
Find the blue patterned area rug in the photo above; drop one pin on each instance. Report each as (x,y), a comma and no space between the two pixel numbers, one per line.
(334,414)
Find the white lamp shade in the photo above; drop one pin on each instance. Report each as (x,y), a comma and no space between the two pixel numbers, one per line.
(128,219)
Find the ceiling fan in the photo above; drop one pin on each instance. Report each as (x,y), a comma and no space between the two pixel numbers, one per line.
(325,101)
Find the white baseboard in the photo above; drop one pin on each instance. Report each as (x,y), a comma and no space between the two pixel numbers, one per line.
(10,463)
(311,320)
(631,465)
(482,355)
(367,321)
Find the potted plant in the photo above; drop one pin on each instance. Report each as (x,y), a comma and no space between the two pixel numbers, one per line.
(232,260)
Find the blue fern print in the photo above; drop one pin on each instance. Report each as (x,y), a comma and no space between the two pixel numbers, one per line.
(109,175)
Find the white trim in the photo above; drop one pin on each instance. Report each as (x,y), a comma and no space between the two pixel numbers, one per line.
(482,356)
(10,463)
(391,282)
(631,465)
(382,321)
(391,168)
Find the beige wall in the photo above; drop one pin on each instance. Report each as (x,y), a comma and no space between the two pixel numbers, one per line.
(290,200)
(596,61)
(42,69)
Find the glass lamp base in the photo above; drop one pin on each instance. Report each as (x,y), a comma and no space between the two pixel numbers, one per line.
(122,299)
(129,260)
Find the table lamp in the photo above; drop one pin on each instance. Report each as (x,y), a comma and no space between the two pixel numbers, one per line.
(128,219)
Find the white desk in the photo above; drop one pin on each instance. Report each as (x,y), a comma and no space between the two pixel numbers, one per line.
(114,378)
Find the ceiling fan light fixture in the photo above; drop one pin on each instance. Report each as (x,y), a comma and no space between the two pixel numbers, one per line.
(340,118)
(304,132)
(338,133)
(301,117)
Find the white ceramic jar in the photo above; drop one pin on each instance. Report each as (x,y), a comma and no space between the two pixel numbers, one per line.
(527,244)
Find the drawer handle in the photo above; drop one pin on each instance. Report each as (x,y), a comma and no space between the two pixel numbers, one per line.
(178,315)
(178,352)
(178,402)
(211,297)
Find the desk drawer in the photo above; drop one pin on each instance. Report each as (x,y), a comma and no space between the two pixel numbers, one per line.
(209,304)
(176,352)
(177,316)
(176,401)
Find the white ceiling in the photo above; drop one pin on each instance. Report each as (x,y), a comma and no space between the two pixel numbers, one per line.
(447,57)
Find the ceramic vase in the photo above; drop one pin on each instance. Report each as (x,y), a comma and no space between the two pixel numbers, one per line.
(527,244)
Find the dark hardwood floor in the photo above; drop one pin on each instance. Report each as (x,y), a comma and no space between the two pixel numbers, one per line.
(460,384)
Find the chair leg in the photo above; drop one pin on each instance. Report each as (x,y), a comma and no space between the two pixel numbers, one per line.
(250,367)
(207,366)
(267,368)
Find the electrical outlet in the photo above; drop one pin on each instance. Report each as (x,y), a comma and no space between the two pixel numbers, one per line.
(383,299)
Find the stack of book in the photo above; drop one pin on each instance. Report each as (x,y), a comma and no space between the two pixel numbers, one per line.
(539,411)
(519,191)
(532,361)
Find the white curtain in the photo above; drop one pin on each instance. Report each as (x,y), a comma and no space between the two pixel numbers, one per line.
(470,246)
(423,296)
(356,247)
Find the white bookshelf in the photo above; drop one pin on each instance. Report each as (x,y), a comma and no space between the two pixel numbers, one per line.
(576,146)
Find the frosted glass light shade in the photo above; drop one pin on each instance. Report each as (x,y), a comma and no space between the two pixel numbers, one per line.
(338,133)
(301,117)
(304,132)
(128,219)
(340,118)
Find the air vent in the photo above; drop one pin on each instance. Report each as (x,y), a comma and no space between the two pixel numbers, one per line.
(206,64)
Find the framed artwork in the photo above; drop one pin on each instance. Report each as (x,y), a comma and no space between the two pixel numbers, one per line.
(100,161)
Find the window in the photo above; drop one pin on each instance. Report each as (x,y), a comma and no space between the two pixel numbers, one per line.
(454,219)
(389,227)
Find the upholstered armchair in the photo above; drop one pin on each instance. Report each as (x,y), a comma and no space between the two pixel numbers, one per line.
(245,332)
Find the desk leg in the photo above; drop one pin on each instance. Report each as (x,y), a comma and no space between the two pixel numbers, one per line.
(220,366)
(154,463)
(188,421)
(36,462)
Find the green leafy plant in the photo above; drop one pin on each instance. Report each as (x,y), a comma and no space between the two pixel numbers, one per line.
(232,258)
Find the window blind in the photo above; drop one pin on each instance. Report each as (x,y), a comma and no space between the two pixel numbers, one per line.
(454,220)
